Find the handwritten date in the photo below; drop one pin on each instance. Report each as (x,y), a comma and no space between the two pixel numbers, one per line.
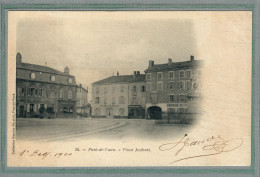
(43,155)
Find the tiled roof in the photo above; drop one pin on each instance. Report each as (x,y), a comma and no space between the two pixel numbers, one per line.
(174,65)
(122,79)
(34,67)
(43,74)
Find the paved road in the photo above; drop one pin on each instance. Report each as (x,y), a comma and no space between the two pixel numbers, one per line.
(76,129)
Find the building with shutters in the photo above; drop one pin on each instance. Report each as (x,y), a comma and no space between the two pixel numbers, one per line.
(172,88)
(119,96)
(42,90)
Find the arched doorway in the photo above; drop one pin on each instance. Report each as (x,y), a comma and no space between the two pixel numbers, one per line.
(155,112)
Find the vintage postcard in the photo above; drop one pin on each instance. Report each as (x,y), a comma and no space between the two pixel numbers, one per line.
(129,88)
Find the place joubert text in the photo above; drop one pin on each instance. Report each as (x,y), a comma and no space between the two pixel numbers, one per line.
(119,149)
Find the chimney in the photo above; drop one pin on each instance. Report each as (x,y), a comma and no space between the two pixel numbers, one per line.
(18,58)
(138,73)
(151,63)
(169,61)
(134,75)
(191,58)
(66,70)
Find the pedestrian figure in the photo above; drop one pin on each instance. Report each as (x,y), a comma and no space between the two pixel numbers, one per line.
(42,111)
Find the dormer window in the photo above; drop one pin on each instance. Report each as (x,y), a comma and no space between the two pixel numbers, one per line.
(70,80)
(52,78)
(32,75)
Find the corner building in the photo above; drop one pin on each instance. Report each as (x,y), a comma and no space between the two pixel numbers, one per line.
(119,96)
(170,88)
(44,87)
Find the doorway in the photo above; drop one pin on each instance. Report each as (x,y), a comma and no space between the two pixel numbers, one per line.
(109,113)
(155,112)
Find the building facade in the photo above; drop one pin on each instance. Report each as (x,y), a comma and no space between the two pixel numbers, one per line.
(171,88)
(82,107)
(119,96)
(43,91)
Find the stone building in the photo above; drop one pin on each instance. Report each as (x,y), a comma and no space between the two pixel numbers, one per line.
(44,88)
(170,88)
(82,106)
(119,96)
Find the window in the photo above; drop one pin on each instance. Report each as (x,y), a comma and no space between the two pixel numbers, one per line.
(41,92)
(20,91)
(32,75)
(148,76)
(180,85)
(181,74)
(121,111)
(97,90)
(134,88)
(148,87)
(36,92)
(122,88)
(70,94)
(171,85)
(31,91)
(171,74)
(47,93)
(188,85)
(143,88)
(52,94)
(159,75)
(188,73)
(171,98)
(97,100)
(154,97)
(105,89)
(52,78)
(113,100)
(32,107)
(61,93)
(134,101)
(65,109)
(105,100)
(71,109)
(159,85)
(121,100)
(70,80)
(182,98)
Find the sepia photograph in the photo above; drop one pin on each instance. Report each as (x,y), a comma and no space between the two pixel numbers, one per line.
(129,88)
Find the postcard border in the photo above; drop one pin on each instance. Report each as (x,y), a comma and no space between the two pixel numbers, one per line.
(122,7)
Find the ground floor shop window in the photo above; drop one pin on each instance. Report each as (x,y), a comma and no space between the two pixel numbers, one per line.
(67,109)
(31,107)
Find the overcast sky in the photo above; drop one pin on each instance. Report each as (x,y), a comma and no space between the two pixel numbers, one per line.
(96,44)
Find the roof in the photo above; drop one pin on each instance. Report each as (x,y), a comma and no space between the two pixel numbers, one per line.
(62,78)
(174,65)
(122,79)
(40,68)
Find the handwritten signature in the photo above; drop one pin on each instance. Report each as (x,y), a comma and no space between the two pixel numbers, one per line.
(213,145)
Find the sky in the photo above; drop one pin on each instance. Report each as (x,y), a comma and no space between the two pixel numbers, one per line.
(94,45)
